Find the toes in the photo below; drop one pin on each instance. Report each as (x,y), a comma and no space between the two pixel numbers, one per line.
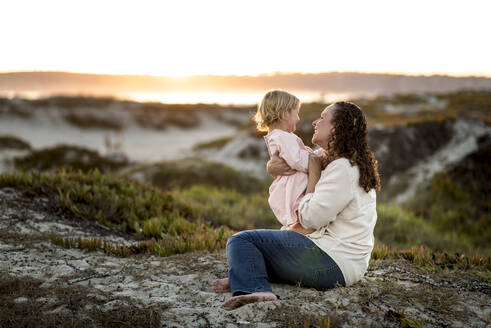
(220,285)
(231,303)
(237,301)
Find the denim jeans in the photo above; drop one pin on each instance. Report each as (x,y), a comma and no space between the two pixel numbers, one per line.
(258,257)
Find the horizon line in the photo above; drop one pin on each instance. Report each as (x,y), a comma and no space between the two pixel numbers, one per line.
(268,74)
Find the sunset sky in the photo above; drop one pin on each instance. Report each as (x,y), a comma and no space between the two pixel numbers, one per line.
(181,38)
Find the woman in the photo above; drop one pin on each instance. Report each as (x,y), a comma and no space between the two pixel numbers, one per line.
(339,206)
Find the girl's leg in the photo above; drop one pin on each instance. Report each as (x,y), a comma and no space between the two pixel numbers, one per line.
(256,257)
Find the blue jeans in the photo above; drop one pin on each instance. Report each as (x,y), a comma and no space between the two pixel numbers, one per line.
(258,257)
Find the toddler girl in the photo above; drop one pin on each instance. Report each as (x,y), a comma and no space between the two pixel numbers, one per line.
(278,115)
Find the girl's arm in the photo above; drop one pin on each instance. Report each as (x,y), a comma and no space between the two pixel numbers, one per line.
(289,148)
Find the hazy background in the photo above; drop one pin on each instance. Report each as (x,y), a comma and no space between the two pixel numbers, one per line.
(231,52)
(126,130)
(164,92)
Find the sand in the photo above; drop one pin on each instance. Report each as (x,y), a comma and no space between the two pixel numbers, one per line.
(177,288)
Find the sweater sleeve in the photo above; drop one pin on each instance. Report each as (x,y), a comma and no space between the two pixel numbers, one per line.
(332,194)
(292,150)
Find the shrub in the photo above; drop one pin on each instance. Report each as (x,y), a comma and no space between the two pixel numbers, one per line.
(401,229)
(450,208)
(184,174)
(74,157)
(121,204)
(229,207)
(12,142)
(217,143)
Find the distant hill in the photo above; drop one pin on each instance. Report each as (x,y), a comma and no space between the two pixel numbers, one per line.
(333,82)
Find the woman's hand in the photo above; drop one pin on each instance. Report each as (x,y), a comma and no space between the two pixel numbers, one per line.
(297,227)
(277,166)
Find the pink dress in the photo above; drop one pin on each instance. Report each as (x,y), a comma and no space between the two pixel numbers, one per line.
(286,192)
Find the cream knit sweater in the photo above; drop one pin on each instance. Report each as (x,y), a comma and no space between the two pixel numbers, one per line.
(344,216)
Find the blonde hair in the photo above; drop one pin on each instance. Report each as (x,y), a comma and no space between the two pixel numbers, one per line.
(273,108)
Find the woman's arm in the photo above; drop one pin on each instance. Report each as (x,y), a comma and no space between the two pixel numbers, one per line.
(277,166)
(327,196)
(315,168)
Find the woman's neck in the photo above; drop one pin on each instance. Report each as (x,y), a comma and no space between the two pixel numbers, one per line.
(331,156)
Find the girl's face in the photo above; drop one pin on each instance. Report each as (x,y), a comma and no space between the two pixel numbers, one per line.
(292,119)
(323,127)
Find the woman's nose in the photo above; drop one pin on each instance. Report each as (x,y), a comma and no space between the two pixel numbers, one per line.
(314,123)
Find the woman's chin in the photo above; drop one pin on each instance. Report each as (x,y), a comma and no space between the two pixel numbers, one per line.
(318,143)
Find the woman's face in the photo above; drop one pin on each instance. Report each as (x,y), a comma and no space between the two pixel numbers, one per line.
(323,127)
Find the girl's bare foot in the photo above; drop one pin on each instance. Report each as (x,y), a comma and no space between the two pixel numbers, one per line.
(221,285)
(237,301)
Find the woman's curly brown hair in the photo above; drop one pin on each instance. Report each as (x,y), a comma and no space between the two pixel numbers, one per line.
(350,140)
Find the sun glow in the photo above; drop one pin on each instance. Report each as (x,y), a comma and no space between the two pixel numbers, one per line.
(184,38)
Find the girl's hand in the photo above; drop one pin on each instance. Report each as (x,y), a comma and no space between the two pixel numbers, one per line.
(277,166)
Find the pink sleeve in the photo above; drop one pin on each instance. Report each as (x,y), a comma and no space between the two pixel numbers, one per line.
(272,145)
(292,150)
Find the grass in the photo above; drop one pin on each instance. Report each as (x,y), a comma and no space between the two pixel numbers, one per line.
(186,173)
(74,157)
(72,102)
(125,205)
(12,142)
(402,229)
(87,121)
(167,244)
(202,218)
(452,208)
(214,144)
(229,207)
(407,322)
(425,257)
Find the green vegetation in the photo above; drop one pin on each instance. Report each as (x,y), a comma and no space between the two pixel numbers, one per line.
(451,209)
(229,207)
(87,121)
(12,142)
(70,102)
(76,158)
(193,204)
(167,245)
(423,256)
(469,104)
(217,143)
(124,205)
(186,173)
(201,217)
(401,229)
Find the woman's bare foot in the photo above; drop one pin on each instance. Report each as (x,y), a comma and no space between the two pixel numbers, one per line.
(237,301)
(221,285)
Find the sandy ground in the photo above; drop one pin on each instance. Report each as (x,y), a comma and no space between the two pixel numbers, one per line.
(48,128)
(177,288)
